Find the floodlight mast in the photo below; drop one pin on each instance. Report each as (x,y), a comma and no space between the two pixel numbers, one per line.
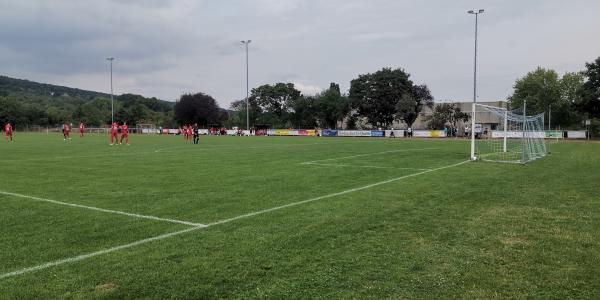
(247,93)
(476,13)
(112,102)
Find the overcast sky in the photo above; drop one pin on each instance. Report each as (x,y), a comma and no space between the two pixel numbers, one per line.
(164,48)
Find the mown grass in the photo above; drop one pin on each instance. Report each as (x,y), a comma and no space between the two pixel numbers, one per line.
(476,230)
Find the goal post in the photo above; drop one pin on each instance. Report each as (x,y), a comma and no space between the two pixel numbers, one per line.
(517,138)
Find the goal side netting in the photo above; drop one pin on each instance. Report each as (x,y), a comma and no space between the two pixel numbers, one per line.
(517,138)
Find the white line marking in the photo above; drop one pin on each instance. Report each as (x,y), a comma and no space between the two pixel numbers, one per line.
(367,154)
(90,255)
(363,166)
(102,209)
(248,215)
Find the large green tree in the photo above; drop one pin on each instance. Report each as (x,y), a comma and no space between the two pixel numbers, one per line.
(540,88)
(590,99)
(331,106)
(376,95)
(197,108)
(411,104)
(276,98)
(238,117)
(304,112)
(445,114)
(545,91)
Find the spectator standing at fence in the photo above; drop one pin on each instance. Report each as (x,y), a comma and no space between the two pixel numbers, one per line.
(8,132)
(113,133)
(81,129)
(124,133)
(410,133)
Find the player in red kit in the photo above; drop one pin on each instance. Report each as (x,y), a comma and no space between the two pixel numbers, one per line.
(8,132)
(81,129)
(185,132)
(66,131)
(124,133)
(113,133)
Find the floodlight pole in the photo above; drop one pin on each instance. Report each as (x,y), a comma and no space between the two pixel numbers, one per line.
(523,143)
(112,102)
(247,88)
(476,13)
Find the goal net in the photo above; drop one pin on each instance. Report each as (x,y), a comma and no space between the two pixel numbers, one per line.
(517,138)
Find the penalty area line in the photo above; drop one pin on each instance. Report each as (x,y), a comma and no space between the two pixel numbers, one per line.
(117,212)
(244,216)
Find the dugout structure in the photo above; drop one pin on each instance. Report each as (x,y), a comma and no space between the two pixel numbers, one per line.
(517,139)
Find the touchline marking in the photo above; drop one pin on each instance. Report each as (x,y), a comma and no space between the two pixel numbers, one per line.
(367,154)
(248,215)
(362,166)
(102,209)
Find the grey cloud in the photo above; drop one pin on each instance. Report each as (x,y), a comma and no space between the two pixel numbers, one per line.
(168,47)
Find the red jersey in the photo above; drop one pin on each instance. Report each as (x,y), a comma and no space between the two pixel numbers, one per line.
(113,128)
(8,128)
(124,129)
(81,127)
(66,127)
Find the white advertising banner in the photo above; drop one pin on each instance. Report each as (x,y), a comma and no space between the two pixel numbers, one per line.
(354,133)
(429,133)
(496,134)
(576,134)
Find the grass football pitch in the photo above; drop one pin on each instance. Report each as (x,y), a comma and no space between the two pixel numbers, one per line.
(268,217)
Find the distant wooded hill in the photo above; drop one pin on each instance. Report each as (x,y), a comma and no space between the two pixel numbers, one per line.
(28,103)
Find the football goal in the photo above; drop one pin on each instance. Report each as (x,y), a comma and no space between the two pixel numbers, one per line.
(516,138)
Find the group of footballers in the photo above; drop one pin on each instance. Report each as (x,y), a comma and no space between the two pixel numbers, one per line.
(66,129)
(114,132)
(190,131)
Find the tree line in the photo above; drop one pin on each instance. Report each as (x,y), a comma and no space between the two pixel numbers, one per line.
(25,103)
(376,99)
(570,101)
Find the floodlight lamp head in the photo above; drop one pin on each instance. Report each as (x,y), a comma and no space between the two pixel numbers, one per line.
(471,12)
(481,11)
